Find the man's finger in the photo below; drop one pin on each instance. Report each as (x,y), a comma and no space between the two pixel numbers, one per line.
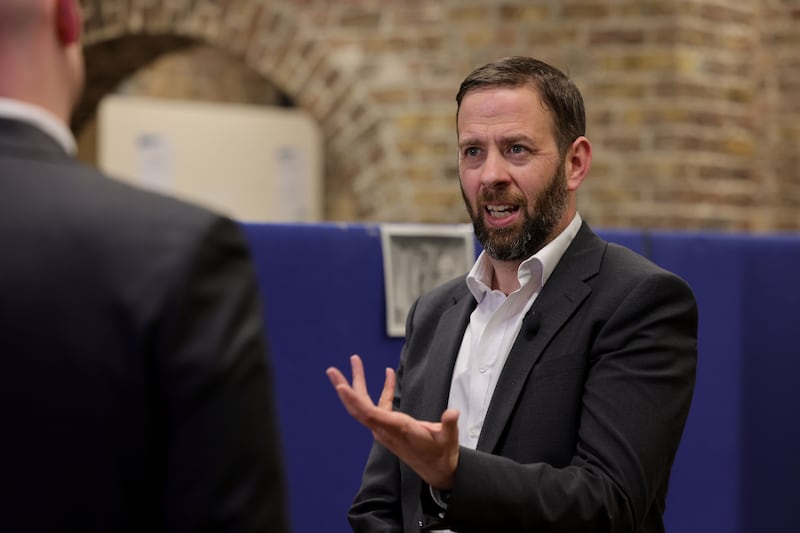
(335,376)
(387,394)
(356,404)
(359,381)
(450,425)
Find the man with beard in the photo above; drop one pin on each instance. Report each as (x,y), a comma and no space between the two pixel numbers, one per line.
(548,389)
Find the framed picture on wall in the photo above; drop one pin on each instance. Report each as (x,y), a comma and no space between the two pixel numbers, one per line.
(417,258)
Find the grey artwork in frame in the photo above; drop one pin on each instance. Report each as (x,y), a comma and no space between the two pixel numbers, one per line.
(417,258)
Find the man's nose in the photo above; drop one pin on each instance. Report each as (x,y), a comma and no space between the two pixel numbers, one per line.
(494,172)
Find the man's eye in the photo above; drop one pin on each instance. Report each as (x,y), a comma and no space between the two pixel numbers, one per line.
(471,151)
(517,149)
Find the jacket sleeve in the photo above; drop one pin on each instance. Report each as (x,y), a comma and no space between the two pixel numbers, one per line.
(222,460)
(377,505)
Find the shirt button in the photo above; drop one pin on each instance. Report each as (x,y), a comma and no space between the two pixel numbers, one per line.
(483,369)
(473,433)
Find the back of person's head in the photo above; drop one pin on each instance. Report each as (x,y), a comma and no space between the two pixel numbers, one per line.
(16,16)
(41,61)
(558,93)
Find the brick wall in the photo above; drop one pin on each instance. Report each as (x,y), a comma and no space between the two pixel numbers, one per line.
(693,105)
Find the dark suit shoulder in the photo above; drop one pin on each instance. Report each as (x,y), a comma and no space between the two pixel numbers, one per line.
(625,278)
(97,194)
(84,203)
(620,261)
(130,245)
(589,255)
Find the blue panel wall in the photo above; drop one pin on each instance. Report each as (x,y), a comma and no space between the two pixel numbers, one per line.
(706,480)
(770,460)
(323,289)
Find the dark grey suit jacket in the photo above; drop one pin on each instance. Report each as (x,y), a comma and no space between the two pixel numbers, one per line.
(588,411)
(135,390)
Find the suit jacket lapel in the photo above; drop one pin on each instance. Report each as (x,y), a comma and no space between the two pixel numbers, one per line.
(442,355)
(558,300)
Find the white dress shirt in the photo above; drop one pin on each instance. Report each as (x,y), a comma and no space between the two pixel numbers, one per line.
(41,119)
(492,330)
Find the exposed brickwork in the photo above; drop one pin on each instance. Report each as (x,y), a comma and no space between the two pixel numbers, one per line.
(693,105)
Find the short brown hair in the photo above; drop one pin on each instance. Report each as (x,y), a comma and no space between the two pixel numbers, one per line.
(558,93)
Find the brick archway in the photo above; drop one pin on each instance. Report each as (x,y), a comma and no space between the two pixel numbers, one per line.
(268,38)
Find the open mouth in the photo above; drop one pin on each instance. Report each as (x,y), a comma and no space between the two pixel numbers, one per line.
(501,211)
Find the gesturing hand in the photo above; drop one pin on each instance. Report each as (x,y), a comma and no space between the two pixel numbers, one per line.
(429,448)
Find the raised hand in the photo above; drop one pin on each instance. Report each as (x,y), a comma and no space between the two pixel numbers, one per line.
(429,448)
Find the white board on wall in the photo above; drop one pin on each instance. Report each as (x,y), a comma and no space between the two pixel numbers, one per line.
(255,163)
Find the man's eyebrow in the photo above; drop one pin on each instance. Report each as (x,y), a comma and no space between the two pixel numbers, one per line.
(508,139)
(469,141)
(511,139)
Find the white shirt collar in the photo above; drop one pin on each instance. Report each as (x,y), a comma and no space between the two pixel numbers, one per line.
(41,119)
(540,265)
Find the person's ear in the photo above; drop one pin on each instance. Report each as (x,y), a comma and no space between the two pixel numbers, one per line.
(68,21)
(578,161)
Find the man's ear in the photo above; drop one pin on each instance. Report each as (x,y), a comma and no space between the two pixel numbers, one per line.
(578,161)
(68,21)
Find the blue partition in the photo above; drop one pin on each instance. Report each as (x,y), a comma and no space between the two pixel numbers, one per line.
(323,288)
(770,459)
(737,465)
(706,483)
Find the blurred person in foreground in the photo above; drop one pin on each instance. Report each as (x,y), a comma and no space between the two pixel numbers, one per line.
(135,391)
(548,389)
